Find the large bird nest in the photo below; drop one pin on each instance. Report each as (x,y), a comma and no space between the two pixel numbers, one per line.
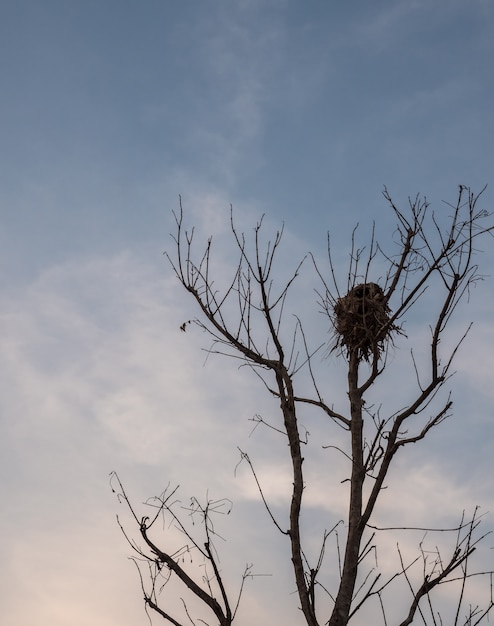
(362,321)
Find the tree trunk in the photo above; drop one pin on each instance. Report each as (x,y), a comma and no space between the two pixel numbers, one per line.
(291,427)
(344,597)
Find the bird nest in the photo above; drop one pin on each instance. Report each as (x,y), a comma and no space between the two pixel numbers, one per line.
(362,321)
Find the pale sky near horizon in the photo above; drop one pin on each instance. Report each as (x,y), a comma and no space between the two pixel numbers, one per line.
(109,110)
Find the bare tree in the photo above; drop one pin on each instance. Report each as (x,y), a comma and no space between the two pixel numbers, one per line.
(430,250)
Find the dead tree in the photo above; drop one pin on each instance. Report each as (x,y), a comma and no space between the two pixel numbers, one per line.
(429,250)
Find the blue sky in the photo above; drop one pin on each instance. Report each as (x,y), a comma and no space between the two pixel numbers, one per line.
(111,109)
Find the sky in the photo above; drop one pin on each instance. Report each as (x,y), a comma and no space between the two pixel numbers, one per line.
(109,111)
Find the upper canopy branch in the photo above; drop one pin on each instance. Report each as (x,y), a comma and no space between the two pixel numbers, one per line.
(250,288)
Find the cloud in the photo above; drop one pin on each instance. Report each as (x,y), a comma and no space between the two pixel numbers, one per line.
(97,376)
(225,86)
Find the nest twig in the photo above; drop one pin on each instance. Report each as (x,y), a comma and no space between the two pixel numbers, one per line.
(362,321)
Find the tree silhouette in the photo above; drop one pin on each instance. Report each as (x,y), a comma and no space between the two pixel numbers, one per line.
(430,250)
